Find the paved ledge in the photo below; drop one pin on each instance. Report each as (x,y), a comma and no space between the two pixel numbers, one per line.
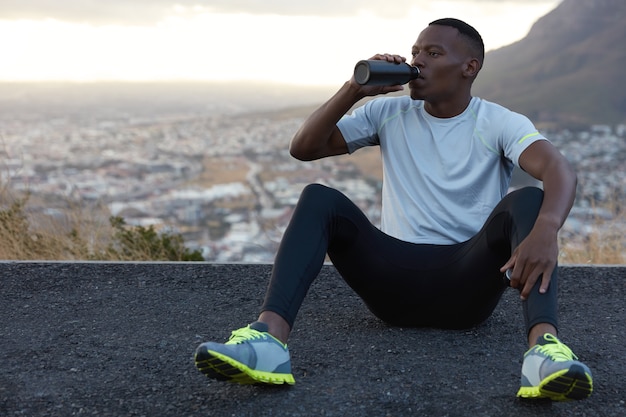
(116,339)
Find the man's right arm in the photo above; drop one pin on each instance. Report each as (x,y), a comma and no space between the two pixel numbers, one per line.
(319,136)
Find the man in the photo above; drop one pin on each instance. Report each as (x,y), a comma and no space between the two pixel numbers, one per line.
(449,230)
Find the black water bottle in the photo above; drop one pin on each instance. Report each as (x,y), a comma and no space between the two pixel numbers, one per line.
(377,72)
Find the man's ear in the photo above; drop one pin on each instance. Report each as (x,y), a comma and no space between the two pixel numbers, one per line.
(471,68)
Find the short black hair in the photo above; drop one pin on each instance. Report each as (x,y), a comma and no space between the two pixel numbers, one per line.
(474,39)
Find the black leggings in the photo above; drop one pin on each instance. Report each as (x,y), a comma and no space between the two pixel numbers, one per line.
(406,284)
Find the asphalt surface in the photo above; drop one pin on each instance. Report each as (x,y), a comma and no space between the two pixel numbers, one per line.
(117,339)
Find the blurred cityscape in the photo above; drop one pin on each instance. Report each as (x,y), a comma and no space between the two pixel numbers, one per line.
(221,175)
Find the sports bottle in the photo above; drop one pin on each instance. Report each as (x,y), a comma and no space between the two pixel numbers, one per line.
(377,72)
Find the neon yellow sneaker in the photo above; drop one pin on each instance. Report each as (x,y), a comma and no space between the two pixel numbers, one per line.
(251,356)
(551,370)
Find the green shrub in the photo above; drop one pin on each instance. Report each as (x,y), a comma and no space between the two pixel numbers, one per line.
(145,243)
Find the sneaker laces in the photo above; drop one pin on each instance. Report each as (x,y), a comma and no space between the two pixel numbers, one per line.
(243,334)
(558,351)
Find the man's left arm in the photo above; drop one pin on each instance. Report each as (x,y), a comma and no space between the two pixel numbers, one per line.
(537,254)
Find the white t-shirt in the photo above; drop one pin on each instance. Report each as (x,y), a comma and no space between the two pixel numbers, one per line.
(441,177)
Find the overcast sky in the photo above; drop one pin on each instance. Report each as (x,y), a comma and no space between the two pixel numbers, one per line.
(150,11)
(312,41)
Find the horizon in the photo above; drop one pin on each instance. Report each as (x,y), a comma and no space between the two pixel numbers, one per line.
(151,99)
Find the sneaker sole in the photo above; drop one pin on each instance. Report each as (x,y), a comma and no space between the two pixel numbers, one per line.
(569,384)
(224,368)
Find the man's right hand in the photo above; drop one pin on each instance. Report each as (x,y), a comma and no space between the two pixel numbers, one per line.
(374,90)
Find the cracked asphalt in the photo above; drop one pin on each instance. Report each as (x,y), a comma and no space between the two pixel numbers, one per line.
(117,339)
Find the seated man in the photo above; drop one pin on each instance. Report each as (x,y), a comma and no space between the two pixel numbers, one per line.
(449,230)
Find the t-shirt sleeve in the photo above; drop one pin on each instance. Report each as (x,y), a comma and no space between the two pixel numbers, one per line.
(359,129)
(518,133)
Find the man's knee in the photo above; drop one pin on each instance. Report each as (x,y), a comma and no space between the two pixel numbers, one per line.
(524,204)
(532,193)
(527,197)
(319,195)
(314,190)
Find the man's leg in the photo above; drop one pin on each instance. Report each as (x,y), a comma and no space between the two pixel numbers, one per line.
(550,369)
(258,353)
(509,224)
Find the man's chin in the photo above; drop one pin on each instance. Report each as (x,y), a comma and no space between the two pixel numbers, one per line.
(415,95)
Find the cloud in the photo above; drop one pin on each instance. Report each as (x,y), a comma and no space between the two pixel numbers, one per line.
(88,11)
(148,12)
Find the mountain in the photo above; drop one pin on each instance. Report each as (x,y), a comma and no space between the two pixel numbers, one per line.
(568,70)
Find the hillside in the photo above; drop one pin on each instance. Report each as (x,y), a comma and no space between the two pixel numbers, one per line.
(568,69)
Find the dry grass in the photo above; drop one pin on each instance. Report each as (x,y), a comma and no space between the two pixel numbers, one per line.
(71,234)
(602,240)
(596,249)
(81,232)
